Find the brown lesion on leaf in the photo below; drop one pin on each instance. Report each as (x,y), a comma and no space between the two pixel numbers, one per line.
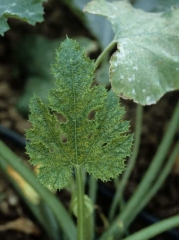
(91,115)
(63,138)
(61,118)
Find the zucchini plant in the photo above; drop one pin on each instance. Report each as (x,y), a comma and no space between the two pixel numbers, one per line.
(81,129)
(99,145)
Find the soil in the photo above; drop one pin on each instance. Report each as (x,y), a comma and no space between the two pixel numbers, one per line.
(59,22)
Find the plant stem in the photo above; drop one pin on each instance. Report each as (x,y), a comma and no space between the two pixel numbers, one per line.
(92,196)
(161,178)
(80,203)
(110,46)
(62,216)
(155,229)
(89,227)
(154,168)
(119,192)
(92,189)
(144,186)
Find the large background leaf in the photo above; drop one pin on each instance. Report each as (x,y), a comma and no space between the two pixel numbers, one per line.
(146,64)
(155,5)
(30,11)
(102,30)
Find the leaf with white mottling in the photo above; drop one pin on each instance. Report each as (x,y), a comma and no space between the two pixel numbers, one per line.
(30,11)
(146,64)
(155,5)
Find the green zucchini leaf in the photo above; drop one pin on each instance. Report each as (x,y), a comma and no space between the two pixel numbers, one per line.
(90,133)
(30,11)
(146,63)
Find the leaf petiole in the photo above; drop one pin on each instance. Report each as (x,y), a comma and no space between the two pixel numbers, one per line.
(80,203)
(109,47)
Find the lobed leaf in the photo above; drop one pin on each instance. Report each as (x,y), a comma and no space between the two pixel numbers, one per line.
(146,64)
(91,132)
(30,11)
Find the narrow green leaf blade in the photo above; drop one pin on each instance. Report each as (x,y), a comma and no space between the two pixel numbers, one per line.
(30,11)
(92,132)
(146,64)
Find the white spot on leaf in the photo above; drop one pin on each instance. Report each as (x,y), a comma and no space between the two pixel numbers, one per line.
(133,91)
(148,99)
(135,68)
(130,79)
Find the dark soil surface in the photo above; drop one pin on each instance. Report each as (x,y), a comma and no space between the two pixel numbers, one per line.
(59,22)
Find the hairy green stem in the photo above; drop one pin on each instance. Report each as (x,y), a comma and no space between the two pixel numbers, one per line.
(120,189)
(92,196)
(80,204)
(62,216)
(110,46)
(121,222)
(161,178)
(155,229)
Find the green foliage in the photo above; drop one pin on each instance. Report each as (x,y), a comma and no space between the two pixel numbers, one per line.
(102,31)
(102,74)
(81,126)
(145,66)
(99,143)
(41,52)
(155,5)
(30,11)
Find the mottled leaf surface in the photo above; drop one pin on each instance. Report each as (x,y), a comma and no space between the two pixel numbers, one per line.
(92,132)
(30,11)
(155,5)
(146,64)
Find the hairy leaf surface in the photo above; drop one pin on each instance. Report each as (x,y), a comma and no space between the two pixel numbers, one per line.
(91,132)
(146,64)
(30,11)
